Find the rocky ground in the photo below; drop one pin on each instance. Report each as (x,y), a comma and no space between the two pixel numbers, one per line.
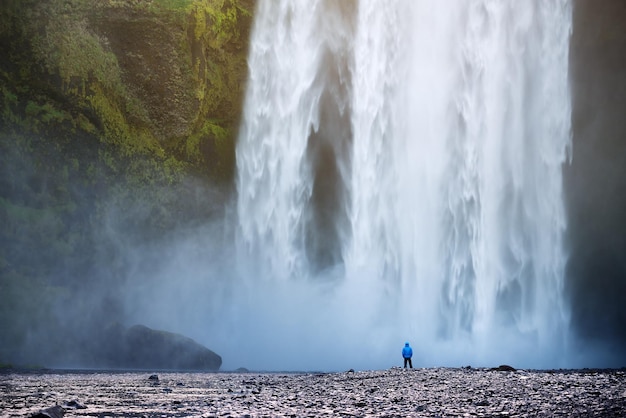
(387,393)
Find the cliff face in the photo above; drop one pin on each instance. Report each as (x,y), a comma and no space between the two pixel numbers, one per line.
(156,69)
(162,78)
(111,111)
(595,181)
(184,71)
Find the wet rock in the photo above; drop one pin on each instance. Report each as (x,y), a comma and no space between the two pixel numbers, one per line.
(141,348)
(504,368)
(52,412)
(73,405)
(426,392)
(144,348)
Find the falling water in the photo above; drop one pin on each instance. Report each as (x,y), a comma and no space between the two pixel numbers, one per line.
(399,178)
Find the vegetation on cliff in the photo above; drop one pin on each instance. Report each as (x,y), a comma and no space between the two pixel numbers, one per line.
(108,109)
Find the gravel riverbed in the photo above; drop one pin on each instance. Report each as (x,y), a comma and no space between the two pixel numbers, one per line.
(432,392)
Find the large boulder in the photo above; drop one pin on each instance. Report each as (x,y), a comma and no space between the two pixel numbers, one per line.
(146,348)
(52,412)
(140,347)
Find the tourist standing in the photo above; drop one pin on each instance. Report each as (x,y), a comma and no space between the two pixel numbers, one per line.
(407,353)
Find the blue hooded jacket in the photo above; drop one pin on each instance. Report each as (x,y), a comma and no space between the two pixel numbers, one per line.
(407,352)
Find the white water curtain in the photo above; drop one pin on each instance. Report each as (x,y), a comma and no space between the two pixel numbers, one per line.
(400,177)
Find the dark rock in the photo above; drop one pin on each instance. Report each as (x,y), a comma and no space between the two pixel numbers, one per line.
(153,377)
(52,412)
(141,348)
(504,368)
(595,267)
(73,405)
(147,348)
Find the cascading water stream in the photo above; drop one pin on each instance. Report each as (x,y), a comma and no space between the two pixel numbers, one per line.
(399,178)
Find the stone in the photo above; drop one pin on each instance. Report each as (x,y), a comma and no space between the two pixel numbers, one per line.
(504,368)
(146,348)
(141,348)
(427,392)
(73,405)
(52,412)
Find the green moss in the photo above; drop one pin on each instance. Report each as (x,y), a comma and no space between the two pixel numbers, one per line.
(222,26)
(9,105)
(173,5)
(9,98)
(46,113)
(81,123)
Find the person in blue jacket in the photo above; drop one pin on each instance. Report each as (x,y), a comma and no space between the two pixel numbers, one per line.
(407,353)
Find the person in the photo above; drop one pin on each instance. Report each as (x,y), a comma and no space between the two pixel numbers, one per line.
(407,353)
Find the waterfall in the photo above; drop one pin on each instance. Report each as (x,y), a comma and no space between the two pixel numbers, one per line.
(400,178)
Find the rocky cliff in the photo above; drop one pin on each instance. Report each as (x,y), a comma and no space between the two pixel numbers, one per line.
(595,181)
(110,111)
(163,79)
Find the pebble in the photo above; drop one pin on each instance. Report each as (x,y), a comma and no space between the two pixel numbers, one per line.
(394,392)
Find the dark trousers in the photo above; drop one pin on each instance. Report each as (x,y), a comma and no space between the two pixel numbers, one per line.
(408,360)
